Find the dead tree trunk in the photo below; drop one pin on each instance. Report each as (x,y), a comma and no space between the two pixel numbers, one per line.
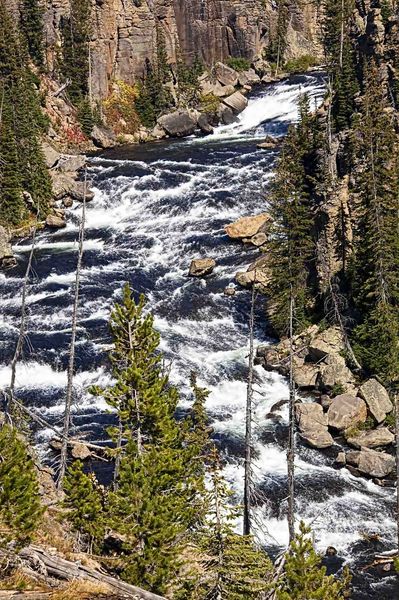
(291,431)
(9,396)
(248,483)
(396,402)
(71,365)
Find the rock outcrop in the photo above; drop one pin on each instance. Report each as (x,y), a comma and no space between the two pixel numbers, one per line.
(346,411)
(7,259)
(376,398)
(375,438)
(178,124)
(372,463)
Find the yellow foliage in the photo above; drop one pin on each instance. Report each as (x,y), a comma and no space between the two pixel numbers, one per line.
(119,110)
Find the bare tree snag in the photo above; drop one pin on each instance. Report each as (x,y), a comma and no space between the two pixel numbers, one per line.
(291,431)
(248,483)
(71,365)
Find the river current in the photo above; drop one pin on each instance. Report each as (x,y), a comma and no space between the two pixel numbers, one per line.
(156,207)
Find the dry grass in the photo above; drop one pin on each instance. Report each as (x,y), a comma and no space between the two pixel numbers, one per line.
(19,580)
(54,532)
(81,590)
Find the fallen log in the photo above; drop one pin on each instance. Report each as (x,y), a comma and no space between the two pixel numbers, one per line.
(53,566)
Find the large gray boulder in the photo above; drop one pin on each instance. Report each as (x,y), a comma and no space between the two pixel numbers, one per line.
(103,137)
(178,124)
(51,156)
(346,411)
(377,399)
(226,115)
(237,102)
(335,372)
(55,222)
(248,77)
(64,186)
(247,227)
(306,375)
(71,163)
(201,267)
(225,75)
(7,259)
(371,462)
(325,343)
(313,425)
(375,438)
(258,274)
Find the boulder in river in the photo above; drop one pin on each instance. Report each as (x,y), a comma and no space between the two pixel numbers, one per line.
(178,123)
(313,425)
(237,102)
(258,274)
(202,266)
(71,163)
(269,143)
(370,462)
(247,227)
(55,222)
(51,156)
(248,77)
(7,258)
(346,411)
(80,451)
(103,137)
(375,438)
(376,398)
(226,115)
(204,124)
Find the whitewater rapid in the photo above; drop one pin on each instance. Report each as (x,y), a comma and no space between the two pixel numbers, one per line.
(156,208)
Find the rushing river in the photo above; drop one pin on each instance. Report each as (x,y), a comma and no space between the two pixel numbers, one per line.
(157,207)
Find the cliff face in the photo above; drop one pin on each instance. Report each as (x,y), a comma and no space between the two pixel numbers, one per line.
(124,33)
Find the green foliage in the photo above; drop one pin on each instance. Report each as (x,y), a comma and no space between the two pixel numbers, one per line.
(374,274)
(231,567)
(32,29)
(337,389)
(209,103)
(20,509)
(238,63)
(84,500)
(75,32)
(304,578)
(156,499)
(188,83)
(291,243)
(301,64)
(275,51)
(86,117)
(22,165)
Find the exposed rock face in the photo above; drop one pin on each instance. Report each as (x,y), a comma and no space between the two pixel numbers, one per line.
(201,267)
(6,256)
(313,425)
(246,227)
(225,75)
(377,399)
(346,411)
(258,274)
(124,33)
(372,439)
(372,463)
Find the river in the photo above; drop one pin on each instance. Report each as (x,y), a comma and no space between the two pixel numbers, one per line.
(156,207)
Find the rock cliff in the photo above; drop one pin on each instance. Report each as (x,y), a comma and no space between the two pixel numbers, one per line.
(124,33)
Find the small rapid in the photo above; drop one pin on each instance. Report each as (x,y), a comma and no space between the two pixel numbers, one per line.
(157,207)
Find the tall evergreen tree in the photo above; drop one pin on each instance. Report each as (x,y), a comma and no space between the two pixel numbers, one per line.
(151,504)
(22,165)
(375,273)
(74,66)
(32,29)
(291,243)
(20,508)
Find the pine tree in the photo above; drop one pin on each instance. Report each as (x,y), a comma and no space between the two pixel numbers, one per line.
(85,502)
(375,277)
(291,244)
(304,578)
(32,29)
(232,567)
(22,164)
(75,32)
(278,40)
(156,480)
(20,508)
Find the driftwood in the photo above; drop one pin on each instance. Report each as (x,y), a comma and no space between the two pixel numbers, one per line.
(52,565)
(62,88)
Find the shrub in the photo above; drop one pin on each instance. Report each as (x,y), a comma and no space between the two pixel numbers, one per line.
(209,103)
(300,64)
(119,108)
(238,63)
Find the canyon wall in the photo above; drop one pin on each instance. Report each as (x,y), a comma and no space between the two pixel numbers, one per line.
(124,32)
